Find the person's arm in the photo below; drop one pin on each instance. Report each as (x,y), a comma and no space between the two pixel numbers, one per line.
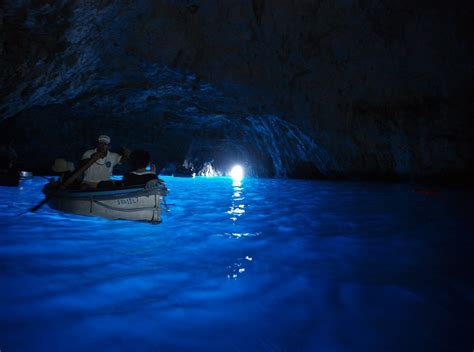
(124,156)
(160,180)
(153,169)
(89,155)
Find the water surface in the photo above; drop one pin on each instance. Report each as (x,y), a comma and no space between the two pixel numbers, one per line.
(265,265)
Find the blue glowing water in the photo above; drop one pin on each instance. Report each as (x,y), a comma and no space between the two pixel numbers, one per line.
(267,265)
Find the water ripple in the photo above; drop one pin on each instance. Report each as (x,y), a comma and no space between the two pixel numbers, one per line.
(273,265)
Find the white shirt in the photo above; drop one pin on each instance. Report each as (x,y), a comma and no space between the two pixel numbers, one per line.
(102,169)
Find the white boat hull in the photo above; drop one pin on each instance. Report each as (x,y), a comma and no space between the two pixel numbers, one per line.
(128,204)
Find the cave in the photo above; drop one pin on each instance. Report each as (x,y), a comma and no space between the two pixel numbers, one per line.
(352,121)
(353,89)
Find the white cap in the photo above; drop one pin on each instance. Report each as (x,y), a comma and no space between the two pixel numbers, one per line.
(104,138)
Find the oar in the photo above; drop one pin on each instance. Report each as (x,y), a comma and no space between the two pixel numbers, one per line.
(69,181)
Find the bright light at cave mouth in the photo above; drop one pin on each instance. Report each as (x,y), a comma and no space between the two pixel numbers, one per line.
(237,173)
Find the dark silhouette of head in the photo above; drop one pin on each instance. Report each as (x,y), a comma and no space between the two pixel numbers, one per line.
(139,159)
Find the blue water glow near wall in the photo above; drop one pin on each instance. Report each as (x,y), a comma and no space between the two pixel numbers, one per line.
(257,265)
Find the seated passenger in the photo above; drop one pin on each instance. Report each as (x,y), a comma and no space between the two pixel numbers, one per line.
(140,160)
(8,156)
(8,172)
(6,165)
(64,169)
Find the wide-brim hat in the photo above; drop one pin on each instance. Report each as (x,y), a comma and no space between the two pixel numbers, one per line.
(61,165)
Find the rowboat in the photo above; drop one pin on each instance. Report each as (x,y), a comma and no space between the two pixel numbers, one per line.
(25,175)
(12,178)
(126,203)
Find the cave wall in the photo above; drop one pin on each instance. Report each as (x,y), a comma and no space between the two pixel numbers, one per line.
(372,88)
(264,145)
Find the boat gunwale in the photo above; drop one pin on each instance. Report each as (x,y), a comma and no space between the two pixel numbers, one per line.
(106,194)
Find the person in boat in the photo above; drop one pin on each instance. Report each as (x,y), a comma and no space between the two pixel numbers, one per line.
(7,155)
(98,175)
(6,164)
(8,158)
(183,171)
(8,172)
(140,160)
(64,169)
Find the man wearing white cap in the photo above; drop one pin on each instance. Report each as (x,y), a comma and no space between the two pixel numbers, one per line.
(102,169)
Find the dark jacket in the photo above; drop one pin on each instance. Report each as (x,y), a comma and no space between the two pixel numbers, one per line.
(139,178)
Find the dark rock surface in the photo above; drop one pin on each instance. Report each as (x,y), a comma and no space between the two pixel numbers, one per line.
(288,88)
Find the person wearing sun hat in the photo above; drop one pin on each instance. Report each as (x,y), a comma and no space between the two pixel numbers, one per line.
(64,168)
(102,169)
(62,165)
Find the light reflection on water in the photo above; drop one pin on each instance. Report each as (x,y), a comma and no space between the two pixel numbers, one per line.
(237,207)
(257,265)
